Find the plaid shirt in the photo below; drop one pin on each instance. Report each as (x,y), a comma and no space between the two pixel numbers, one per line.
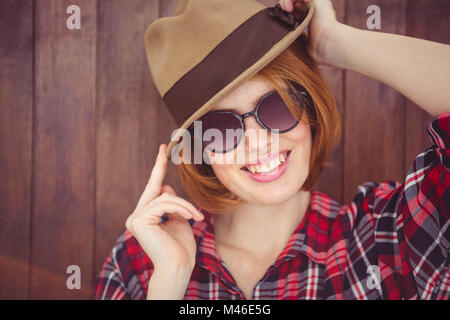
(391,242)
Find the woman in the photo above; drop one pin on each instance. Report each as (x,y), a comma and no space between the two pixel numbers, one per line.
(260,231)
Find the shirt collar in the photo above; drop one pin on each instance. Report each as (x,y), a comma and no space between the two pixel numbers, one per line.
(309,238)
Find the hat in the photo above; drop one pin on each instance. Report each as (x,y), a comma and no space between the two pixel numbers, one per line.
(209,47)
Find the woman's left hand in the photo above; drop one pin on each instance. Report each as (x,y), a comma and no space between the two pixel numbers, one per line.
(321,28)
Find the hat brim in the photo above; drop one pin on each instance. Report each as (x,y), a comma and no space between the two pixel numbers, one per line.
(253,70)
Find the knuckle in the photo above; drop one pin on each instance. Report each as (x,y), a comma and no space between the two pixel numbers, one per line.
(162,198)
(165,195)
(154,203)
(128,224)
(134,224)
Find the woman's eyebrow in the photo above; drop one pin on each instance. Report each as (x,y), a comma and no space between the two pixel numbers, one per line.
(254,102)
(260,97)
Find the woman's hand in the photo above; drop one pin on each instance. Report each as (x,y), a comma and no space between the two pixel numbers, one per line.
(419,69)
(321,28)
(170,246)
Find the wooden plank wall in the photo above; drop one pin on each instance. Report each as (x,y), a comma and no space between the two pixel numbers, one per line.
(16,118)
(126,116)
(63,150)
(81,121)
(374,113)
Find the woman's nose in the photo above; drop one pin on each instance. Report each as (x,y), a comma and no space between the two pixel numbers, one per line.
(257,138)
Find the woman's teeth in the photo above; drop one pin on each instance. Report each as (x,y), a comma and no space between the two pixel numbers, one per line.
(267,167)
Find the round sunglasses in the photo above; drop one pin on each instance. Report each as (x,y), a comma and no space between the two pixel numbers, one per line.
(222,131)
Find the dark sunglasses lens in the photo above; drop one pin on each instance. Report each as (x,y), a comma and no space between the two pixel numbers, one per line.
(221,131)
(275,115)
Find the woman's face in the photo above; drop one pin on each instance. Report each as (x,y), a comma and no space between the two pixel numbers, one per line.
(260,187)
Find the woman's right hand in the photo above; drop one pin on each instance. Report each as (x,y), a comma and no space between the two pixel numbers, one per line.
(169,245)
(322,27)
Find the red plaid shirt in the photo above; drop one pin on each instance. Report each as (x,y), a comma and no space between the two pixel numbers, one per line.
(391,242)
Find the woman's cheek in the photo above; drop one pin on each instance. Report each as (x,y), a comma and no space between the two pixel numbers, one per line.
(301,133)
(224,173)
(303,137)
(221,159)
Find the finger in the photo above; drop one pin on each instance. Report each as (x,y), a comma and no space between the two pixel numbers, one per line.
(153,187)
(152,215)
(149,227)
(198,215)
(169,198)
(289,6)
(300,6)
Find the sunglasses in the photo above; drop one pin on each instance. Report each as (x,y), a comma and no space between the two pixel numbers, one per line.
(222,131)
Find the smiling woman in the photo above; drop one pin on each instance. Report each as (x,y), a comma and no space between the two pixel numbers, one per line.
(258,229)
(292,68)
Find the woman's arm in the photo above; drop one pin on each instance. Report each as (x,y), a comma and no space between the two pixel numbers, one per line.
(419,69)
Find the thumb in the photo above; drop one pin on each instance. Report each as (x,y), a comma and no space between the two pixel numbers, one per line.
(300,6)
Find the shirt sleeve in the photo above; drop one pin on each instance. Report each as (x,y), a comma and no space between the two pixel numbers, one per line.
(424,215)
(395,237)
(125,273)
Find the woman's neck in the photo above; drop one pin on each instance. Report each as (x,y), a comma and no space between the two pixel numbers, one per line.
(260,228)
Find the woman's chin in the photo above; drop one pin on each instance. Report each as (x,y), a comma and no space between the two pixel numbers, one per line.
(274,193)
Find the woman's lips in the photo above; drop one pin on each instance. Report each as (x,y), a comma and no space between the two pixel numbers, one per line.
(272,175)
(270,157)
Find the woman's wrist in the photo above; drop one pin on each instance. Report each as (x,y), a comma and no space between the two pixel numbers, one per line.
(169,283)
(336,46)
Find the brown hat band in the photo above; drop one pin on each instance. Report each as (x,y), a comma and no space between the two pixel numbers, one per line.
(234,55)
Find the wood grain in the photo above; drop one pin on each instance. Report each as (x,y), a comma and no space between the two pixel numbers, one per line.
(426,19)
(374,113)
(16,111)
(127,119)
(331,180)
(64,144)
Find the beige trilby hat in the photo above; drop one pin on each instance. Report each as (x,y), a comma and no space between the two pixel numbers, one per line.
(209,47)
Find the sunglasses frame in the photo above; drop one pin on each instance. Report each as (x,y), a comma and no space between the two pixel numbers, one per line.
(254,113)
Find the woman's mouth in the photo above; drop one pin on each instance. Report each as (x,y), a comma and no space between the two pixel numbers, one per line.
(269,170)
